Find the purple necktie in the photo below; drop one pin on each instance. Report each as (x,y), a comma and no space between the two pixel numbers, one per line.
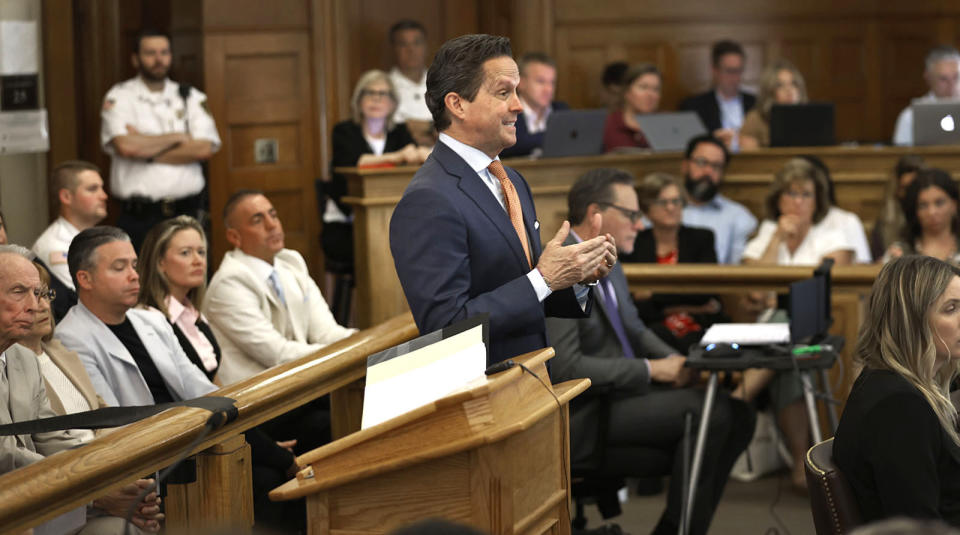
(613,312)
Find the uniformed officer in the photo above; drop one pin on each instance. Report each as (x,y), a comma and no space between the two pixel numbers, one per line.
(157,132)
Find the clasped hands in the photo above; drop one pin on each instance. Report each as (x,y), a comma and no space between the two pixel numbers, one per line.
(146,515)
(562,266)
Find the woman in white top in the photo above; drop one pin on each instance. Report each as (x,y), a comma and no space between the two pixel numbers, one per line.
(793,234)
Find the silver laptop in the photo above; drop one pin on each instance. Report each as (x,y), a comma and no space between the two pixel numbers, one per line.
(574,133)
(936,123)
(670,131)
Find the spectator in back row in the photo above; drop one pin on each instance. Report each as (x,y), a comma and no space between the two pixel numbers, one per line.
(942,74)
(641,94)
(722,109)
(780,83)
(891,221)
(703,166)
(613,83)
(538,83)
(409,76)
(83,204)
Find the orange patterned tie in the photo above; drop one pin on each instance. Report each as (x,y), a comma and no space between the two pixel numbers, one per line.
(513,205)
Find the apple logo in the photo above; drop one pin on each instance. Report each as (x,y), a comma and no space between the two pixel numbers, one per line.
(947,123)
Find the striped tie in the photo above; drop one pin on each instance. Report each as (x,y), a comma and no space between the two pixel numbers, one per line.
(512,201)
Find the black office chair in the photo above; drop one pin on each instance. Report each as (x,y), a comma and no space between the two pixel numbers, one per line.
(336,242)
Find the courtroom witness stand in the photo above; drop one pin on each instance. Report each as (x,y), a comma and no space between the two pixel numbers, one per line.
(82,203)
(641,94)
(70,391)
(723,107)
(173,271)
(792,235)
(614,349)
(889,225)
(848,223)
(942,74)
(932,225)
(897,443)
(465,237)
(678,319)
(703,166)
(780,83)
(538,85)
(408,39)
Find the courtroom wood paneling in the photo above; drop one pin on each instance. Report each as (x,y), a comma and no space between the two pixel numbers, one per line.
(60,86)
(260,86)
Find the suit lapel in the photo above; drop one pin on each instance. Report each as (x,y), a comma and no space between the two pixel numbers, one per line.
(21,403)
(154,346)
(68,366)
(474,188)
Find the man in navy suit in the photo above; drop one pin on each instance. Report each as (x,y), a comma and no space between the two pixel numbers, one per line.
(538,83)
(723,108)
(464,237)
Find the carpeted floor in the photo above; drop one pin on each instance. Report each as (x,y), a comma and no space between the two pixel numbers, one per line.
(746,509)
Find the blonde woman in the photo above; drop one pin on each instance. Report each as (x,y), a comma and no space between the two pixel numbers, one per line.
(780,83)
(897,441)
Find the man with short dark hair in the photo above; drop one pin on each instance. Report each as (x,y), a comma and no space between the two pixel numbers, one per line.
(942,74)
(723,108)
(703,166)
(157,132)
(538,84)
(465,237)
(262,304)
(613,348)
(83,204)
(408,38)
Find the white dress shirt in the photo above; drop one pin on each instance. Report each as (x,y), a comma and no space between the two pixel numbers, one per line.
(412,104)
(51,248)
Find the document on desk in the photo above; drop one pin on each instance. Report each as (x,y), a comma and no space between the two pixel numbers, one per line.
(747,334)
(425,369)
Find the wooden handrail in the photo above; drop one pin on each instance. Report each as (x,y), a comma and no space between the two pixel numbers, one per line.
(40,491)
(713,278)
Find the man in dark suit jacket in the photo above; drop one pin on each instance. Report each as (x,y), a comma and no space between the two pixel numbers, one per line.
(466,242)
(538,83)
(723,108)
(614,349)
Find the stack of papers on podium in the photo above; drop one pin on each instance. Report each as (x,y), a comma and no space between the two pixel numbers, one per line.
(424,370)
(747,334)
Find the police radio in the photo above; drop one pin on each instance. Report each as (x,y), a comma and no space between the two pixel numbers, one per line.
(184,93)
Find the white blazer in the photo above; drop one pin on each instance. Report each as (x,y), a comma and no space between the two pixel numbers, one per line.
(113,371)
(254,329)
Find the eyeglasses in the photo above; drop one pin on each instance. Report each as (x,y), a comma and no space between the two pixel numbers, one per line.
(46,293)
(376,94)
(703,162)
(803,195)
(19,293)
(666,203)
(632,215)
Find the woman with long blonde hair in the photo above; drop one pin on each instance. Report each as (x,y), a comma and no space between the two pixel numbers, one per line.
(897,442)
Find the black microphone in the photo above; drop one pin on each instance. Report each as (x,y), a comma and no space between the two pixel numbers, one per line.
(184,91)
(499,367)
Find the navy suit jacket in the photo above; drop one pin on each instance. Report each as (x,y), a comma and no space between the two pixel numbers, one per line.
(457,255)
(706,106)
(526,141)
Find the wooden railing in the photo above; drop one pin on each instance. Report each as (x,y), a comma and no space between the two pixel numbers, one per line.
(36,493)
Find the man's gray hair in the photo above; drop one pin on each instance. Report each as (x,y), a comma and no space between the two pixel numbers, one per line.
(18,250)
(941,53)
(81,256)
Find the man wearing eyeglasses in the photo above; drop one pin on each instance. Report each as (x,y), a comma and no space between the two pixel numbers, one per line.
(722,108)
(703,167)
(612,347)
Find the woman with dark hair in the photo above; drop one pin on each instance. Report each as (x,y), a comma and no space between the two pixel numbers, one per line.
(931,227)
(897,442)
(641,94)
(678,320)
(890,222)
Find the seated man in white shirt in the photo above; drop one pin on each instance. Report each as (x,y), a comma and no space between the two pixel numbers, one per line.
(83,204)
(263,307)
(409,76)
(942,74)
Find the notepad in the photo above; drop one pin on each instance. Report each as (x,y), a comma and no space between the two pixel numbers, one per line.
(747,334)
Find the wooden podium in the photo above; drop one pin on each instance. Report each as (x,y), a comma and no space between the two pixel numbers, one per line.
(496,457)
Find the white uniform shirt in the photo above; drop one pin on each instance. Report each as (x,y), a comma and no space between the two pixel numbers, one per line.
(412,104)
(154,113)
(51,247)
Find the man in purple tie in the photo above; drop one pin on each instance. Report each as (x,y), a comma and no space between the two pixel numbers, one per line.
(646,377)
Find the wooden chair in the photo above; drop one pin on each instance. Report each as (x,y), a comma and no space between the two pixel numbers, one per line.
(834,507)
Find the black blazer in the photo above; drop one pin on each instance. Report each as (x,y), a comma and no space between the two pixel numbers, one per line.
(526,141)
(705,104)
(694,245)
(192,352)
(348,145)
